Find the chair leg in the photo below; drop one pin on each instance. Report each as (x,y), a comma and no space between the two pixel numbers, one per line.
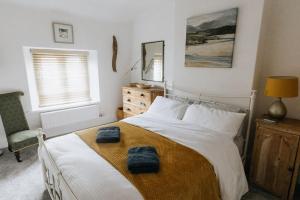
(18,156)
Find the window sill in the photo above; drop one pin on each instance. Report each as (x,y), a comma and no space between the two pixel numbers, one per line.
(66,106)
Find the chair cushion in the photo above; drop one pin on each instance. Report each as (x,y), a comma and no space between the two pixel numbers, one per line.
(12,113)
(22,139)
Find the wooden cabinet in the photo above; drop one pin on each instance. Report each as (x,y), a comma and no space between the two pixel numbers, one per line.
(275,159)
(137,101)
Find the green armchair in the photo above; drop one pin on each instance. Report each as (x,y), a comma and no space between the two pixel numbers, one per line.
(15,124)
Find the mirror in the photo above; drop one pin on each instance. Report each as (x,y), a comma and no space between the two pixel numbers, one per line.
(153,61)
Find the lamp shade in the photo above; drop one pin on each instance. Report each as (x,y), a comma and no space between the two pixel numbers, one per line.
(282,86)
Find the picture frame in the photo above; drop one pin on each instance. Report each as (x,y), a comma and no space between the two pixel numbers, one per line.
(63,33)
(210,39)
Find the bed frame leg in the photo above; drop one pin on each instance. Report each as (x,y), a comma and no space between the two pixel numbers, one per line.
(18,156)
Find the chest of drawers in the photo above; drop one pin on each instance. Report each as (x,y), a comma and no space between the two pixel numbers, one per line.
(276,157)
(137,101)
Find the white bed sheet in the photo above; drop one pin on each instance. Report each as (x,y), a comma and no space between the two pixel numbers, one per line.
(92,177)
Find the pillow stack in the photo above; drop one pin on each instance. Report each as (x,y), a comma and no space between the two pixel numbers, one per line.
(167,108)
(222,121)
(226,120)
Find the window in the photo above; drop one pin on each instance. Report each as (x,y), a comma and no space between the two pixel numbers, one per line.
(61,77)
(157,67)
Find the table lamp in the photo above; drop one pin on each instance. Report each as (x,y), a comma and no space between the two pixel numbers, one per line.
(280,86)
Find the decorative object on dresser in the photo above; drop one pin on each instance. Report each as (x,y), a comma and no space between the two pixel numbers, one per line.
(142,86)
(120,113)
(137,100)
(276,157)
(280,86)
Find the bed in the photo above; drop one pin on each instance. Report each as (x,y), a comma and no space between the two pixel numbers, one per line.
(71,169)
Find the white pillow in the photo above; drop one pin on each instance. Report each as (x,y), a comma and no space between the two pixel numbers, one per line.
(223,122)
(167,108)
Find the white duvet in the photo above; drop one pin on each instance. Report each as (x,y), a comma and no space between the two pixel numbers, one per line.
(92,178)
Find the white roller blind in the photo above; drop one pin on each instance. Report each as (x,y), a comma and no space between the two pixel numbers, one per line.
(61,76)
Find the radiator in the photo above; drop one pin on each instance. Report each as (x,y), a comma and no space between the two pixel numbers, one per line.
(68,120)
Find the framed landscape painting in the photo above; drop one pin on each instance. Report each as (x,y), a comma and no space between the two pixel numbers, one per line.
(210,39)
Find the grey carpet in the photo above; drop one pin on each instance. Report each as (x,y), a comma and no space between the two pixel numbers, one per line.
(23,181)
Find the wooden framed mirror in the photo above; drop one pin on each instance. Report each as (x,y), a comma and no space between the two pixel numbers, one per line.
(153,61)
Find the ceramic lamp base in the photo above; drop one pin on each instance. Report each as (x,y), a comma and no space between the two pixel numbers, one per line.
(277,110)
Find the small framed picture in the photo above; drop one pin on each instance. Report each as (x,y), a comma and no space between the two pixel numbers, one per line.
(63,33)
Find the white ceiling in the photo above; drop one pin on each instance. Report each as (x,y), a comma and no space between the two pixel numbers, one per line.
(114,10)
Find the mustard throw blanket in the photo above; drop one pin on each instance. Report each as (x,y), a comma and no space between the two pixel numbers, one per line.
(184,173)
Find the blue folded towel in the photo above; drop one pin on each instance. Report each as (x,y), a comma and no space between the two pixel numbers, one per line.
(109,128)
(108,135)
(144,149)
(143,160)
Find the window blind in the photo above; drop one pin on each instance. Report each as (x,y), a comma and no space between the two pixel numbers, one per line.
(61,76)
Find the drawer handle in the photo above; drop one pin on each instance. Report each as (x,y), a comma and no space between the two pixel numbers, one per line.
(291,169)
(129,100)
(128,92)
(142,95)
(128,109)
(143,104)
(141,112)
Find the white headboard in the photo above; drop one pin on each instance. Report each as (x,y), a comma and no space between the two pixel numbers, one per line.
(244,102)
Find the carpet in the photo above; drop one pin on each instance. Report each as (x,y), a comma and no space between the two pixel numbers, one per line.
(23,181)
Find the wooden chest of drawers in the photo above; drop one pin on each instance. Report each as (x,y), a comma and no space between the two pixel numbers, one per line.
(137,101)
(276,157)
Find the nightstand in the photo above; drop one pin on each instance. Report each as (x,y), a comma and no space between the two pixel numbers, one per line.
(137,101)
(276,157)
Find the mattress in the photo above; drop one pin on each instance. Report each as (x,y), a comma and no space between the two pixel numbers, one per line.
(91,177)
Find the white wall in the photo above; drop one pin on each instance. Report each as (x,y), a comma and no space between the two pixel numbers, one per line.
(169,23)
(22,26)
(280,50)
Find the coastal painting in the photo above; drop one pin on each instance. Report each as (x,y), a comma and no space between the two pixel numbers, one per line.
(210,39)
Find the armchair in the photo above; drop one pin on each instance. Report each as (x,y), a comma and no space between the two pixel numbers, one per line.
(15,124)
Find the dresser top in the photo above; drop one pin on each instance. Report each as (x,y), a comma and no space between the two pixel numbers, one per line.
(140,89)
(286,125)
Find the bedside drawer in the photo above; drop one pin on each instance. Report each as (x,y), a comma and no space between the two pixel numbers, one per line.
(134,110)
(273,160)
(139,102)
(143,95)
(129,92)
(136,93)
